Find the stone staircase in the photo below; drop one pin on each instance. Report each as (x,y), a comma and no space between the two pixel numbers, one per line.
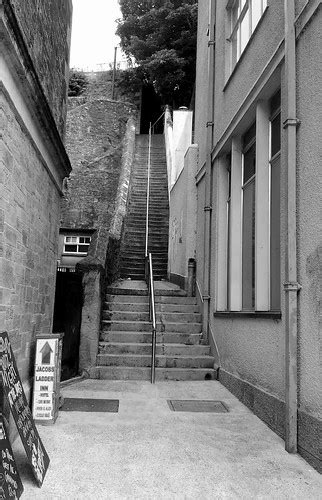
(133,242)
(125,337)
(125,340)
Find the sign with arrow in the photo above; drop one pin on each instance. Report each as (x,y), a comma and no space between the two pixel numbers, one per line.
(47,378)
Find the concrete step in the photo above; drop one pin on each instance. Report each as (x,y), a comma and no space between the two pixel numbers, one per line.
(129,271)
(162,316)
(156,213)
(136,246)
(140,236)
(145,337)
(136,254)
(131,261)
(140,276)
(134,260)
(154,227)
(171,294)
(156,231)
(153,246)
(135,373)
(144,307)
(154,243)
(154,216)
(175,299)
(140,175)
(137,229)
(127,268)
(132,360)
(138,258)
(145,326)
(141,203)
(158,189)
(132,276)
(136,274)
(161,349)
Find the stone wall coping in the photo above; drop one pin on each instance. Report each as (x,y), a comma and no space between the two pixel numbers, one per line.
(89,264)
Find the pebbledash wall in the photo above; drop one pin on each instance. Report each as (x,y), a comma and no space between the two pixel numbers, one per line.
(95,133)
(34,58)
(100,140)
(250,345)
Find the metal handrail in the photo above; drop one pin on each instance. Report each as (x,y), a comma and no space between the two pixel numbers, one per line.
(151,131)
(148,258)
(152,315)
(156,121)
(148,197)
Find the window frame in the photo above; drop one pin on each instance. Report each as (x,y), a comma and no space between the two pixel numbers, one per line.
(230,297)
(238,11)
(75,241)
(274,163)
(247,146)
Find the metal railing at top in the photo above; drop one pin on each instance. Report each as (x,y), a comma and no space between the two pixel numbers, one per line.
(151,131)
(152,315)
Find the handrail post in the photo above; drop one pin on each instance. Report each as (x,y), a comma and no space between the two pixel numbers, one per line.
(152,315)
(154,337)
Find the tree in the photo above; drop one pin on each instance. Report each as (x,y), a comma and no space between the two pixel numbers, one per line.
(161,36)
(77,83)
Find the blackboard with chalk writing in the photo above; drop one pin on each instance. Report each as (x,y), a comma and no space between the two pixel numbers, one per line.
(10,483)
(20,410)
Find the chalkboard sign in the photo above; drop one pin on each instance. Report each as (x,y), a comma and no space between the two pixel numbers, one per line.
(10,483)
(20,410)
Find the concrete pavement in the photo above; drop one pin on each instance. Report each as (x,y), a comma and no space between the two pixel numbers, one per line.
(146,451)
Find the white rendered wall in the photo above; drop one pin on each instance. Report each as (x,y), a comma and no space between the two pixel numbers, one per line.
(182,138)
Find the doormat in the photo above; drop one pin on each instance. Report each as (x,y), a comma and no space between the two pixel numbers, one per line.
(90,405)
(199,405)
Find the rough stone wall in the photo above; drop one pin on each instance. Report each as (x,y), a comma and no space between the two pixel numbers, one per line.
(99,84)
(95,131)
(29,221)
(46,28)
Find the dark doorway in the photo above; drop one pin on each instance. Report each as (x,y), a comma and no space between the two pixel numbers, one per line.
(151,109)
(67,319)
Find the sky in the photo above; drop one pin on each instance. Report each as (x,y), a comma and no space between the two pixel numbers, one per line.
(93,34)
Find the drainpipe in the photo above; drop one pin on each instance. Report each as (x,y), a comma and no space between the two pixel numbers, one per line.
(291,286)
(208,177)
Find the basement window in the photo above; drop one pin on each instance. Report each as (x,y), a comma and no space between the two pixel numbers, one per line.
(76,244)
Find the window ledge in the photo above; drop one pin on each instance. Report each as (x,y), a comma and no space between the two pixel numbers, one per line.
(75,254)
(249,314)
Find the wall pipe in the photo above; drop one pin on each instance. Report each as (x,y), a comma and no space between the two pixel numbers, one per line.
(208,176)
(291,285)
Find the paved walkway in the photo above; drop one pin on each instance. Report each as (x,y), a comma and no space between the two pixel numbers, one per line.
(147,451)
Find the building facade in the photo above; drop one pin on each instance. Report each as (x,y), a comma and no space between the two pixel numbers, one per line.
(258,220)
(34,61)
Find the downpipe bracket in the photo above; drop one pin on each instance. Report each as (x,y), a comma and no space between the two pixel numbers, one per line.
(291,122)
(292,286)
